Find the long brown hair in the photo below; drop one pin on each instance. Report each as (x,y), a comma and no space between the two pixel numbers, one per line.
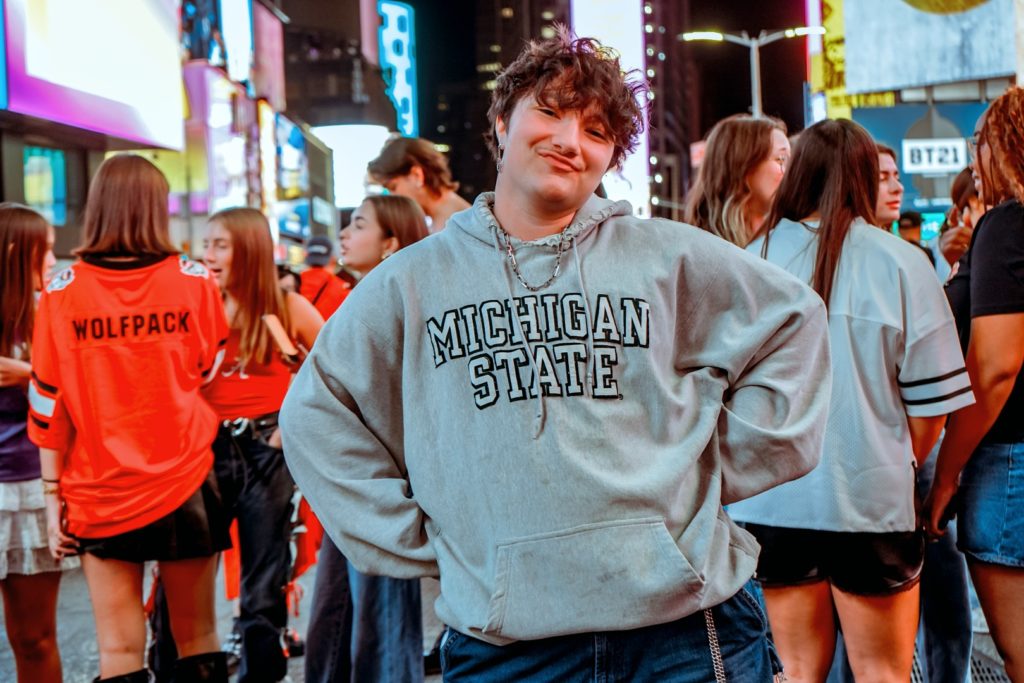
(1004,176)
(252,282)
(126,211)
(720,197)
(23,237)
(399,217)
(834,173)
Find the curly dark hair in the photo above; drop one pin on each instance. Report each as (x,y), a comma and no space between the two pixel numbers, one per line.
(578,74)
(1002,131)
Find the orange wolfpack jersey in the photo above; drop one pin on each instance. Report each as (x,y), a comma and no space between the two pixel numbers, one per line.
(119,353)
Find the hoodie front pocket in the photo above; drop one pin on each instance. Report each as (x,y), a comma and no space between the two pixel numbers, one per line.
(606,576)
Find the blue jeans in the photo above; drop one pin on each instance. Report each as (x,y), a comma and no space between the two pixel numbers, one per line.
(676,652)
(991,521)
(362,628)
(944,637)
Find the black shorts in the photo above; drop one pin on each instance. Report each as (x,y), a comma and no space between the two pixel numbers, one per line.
(198,528)
(866,564)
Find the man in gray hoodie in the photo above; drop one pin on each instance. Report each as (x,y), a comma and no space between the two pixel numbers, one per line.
(554,428)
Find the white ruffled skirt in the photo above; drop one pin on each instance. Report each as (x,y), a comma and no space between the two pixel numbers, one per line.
(23,540)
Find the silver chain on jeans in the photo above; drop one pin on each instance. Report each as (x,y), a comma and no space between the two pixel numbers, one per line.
(716,651)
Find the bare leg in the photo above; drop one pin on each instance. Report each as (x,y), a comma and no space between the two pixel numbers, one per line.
(879,634)
(1001,592)
(30,613)
(804,629)
(115,588)
(189,585)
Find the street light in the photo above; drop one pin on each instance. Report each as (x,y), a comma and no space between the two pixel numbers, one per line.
(755,45)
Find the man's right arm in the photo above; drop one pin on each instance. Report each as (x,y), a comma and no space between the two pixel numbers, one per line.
(343,440)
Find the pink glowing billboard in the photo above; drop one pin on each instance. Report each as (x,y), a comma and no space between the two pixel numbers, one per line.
(109,67)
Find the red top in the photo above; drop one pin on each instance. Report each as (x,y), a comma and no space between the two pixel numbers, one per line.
(119,352)
(324,289)
(248,390)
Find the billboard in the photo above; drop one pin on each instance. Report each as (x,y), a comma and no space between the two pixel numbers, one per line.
(236,27)
(222,121)
(894,44)
(397,39)
(931,142)
(268,60)
(292,165)
(124,79)
(46,185)
(828,96)
(354,147)
(619,24)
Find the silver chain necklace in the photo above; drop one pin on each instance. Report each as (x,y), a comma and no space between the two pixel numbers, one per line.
(511,253)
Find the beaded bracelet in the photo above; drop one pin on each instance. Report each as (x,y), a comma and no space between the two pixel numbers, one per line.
(50,488)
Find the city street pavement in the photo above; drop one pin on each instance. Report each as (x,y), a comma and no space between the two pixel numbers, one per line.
(77,636)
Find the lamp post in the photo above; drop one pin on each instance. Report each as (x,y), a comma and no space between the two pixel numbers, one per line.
(754,45)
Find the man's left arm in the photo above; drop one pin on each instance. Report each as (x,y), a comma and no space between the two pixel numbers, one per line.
(769,333)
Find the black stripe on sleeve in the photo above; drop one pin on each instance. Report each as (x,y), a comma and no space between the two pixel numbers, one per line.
(932,380)
(39,423)
(937,399)
(43,385)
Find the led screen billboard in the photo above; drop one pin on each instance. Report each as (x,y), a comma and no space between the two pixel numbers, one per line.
(46,186)
(236,27)
(894,44)
(292,165)
(109,67)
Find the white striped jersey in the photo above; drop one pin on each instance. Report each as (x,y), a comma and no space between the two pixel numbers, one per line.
(895,353)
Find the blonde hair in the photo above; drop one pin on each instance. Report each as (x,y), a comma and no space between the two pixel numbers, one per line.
(126,211)
(252,282)
(719,199)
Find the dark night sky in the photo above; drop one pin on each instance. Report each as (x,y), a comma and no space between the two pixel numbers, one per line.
(446,50)
(725,68)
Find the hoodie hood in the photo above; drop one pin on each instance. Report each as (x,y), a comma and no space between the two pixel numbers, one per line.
(478,221)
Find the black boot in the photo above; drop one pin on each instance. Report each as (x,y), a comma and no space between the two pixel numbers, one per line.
(209,666)
(140,676)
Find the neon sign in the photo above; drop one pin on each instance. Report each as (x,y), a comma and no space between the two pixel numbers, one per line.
(397,40)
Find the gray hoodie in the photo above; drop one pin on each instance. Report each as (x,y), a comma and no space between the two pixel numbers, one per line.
(560,458)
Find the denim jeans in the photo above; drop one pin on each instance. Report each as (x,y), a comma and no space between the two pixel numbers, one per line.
(362,628)
(944,637)
(676,652)
(257,490)
(992,505)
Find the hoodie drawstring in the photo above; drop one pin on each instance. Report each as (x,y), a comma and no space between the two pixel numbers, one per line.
(541,415)
(590,320)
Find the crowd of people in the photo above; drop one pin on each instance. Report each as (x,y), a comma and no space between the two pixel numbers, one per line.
(634,449)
